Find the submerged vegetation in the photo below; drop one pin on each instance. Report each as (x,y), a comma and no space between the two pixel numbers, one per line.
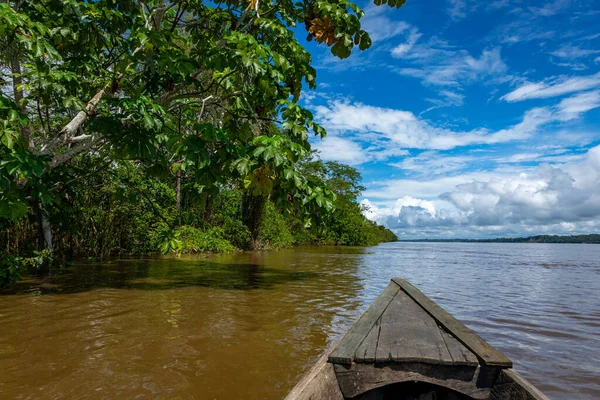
(132,126)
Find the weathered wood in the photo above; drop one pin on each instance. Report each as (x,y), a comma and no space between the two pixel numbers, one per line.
(459,353)
(320,383)
(404,338)
(409,334)
(357,379)
(512,386)
(366,351)
(406,333)
(486,354)
(344,352)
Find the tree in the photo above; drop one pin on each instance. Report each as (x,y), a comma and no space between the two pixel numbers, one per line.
(191,87)
(345,224)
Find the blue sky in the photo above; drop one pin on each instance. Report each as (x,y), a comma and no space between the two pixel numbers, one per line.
(468,118)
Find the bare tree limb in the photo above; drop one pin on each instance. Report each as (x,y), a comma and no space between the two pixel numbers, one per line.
(85,145)
(69,130)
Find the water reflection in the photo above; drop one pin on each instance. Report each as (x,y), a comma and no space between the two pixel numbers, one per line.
(242,326)
(248,325)
(158,274)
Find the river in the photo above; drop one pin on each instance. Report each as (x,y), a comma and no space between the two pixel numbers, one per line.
(249,325)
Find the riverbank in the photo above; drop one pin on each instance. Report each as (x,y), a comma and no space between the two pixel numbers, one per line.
(126,211)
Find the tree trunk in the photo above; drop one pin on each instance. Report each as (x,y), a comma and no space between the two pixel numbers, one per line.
(178,195)
(253,208)
(178,191)
(44,230)
(44,236)
(15,69)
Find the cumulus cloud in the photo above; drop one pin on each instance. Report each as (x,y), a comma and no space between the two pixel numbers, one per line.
(340,149)
(554,87)
(564,198)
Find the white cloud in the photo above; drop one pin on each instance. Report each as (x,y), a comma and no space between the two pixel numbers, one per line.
(573,66)
(403,48)
(340,149)
(379,25)
(389,214)
(553,88)
(433,163)
(571,52)
(359,133)
(453,97)
(521,157)
(398,129)
(545,199)
(551,8)
(437,63)
(573,107)
(497,4)
(457,9)
(524,29)
(429,189)
(447,98)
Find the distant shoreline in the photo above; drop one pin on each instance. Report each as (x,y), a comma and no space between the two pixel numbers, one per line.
(581,239)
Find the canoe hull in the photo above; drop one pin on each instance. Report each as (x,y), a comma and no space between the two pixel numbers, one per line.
(378,358)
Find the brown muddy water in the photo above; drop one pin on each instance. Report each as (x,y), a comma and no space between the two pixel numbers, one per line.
(249,325)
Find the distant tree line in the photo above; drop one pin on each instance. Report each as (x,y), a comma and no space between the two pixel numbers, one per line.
(589,239)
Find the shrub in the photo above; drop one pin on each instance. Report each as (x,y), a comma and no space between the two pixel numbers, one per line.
(9,270)
(273,232)
(187,239)
(194,240)
(41,260)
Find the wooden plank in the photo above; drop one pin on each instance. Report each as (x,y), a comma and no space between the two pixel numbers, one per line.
(512,386)
(408,333)
(486,354)
(320,383)
(356,379)
(459,353)
(366,351)
(344,352)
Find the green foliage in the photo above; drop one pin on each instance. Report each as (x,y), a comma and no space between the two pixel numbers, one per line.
(273,232)
(187,239)
(9,270)
(168,241)
(197,241)
(11,267)
(345,225)
(112,104)
(182,82)
(40,260)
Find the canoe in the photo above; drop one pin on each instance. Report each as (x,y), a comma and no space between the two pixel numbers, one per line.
(405,346)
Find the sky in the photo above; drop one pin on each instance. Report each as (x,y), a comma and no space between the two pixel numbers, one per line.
(468,118)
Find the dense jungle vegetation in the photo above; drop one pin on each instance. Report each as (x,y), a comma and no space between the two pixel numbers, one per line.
(130,126)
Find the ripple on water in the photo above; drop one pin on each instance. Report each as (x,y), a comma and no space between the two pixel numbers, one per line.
(248,325)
